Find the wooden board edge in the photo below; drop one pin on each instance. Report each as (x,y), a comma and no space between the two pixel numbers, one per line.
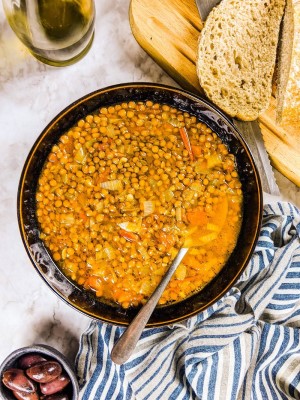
(282,164)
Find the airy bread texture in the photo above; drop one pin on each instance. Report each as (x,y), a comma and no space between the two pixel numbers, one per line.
(288,85)
(237,55)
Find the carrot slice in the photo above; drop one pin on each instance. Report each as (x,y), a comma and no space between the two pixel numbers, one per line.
(83,216)
(186,141)
(130,236)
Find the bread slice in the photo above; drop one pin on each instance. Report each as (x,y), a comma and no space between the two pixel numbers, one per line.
(288,84)
(237,54)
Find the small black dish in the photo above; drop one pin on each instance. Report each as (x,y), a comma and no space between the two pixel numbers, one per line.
(205,112)
(11,361)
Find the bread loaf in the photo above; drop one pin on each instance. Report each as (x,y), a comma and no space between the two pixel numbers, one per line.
(288,81)
(237,55)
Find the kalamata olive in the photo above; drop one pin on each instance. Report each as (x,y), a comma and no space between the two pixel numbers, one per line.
(56,385)
(45,371)
(57,396)
(15,379)
(25,396)
(29,360)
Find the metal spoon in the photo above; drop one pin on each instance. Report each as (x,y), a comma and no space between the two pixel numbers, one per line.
(125,346)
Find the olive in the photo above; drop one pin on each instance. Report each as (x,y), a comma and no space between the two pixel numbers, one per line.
(57,396)
(44,372)
(15,379)
(29,360)
(25,396)
(56,385)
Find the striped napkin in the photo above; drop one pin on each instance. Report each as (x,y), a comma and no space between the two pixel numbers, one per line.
(246,346)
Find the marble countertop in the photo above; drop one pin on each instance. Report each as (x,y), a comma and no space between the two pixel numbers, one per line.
(31,94)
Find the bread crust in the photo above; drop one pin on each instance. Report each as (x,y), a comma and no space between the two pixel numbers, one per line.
(237,54)
(288,88)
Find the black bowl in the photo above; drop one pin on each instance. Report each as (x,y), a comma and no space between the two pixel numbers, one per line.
(205,112)
(11,361)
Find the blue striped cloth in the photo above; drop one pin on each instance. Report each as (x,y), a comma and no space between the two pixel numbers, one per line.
(246,346)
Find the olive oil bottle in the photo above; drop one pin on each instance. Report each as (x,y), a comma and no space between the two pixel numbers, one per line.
(57,32)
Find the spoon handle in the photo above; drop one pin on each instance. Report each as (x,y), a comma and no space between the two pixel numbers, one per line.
(125,346)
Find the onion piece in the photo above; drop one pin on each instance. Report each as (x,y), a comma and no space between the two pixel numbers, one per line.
(173,252)
(80,155)
(213,227)
(143,252)
(196,186)
(131,226)
(174,122)
(208,238)
(146,288)
(178,214)
(90,143)
(109,252)
(99,206)
(168,195)
(214,160)
(100,255)
(112,185)
(110,130)
(149,207)
(180,272)
(153,183)
(200,167)
(67,219)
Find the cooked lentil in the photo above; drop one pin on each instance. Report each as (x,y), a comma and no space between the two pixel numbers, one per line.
(123,190)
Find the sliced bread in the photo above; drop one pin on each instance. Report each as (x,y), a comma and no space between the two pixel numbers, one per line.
(288,74)
(237,55)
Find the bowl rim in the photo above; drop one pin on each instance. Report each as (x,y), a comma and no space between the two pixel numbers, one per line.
(50,352)
(142,85)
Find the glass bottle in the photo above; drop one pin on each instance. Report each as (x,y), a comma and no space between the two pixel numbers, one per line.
(57,32)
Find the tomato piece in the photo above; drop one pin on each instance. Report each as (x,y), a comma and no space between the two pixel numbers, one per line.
(197,151)
(83,216)
(166,239)
(103,177)
(93,282)
(197,216)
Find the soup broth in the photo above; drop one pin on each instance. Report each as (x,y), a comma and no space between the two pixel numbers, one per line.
(125,188)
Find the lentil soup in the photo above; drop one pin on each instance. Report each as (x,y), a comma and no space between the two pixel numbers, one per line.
(125,188)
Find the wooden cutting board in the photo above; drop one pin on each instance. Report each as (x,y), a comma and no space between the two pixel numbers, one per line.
(168,31)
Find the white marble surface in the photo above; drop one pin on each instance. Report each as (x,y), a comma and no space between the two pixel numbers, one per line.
(31,94)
